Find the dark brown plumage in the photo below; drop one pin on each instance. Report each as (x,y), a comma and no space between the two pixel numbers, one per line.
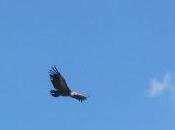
(60,86)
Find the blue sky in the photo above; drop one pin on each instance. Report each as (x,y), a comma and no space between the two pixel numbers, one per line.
(118,52)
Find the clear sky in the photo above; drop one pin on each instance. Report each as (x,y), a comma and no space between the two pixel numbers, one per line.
(118,52)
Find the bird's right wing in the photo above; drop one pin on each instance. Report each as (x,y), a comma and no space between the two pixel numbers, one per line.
(57,80)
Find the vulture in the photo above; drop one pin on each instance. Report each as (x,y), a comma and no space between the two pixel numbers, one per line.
(60,86)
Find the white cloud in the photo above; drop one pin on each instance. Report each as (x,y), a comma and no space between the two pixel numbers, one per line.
(158,87)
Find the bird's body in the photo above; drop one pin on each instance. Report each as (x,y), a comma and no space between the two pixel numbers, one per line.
(60,86)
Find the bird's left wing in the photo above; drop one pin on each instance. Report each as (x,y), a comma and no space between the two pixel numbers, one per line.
(77,96)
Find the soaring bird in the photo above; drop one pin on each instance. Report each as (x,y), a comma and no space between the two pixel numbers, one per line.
(60,86)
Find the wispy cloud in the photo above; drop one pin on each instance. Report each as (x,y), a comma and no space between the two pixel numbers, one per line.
(158,87)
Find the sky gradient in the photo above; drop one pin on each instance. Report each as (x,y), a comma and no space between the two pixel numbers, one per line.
(117,52)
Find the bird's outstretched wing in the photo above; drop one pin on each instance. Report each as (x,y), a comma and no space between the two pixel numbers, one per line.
(77,96)
(58,81)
